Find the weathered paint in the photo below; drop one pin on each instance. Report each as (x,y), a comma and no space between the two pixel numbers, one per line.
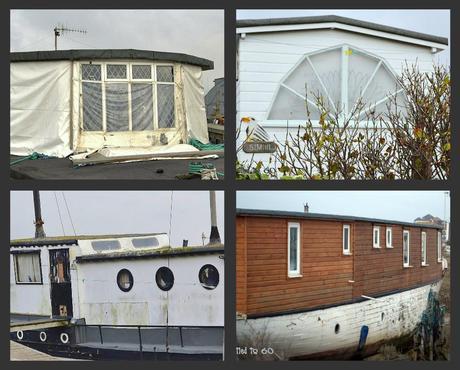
(314,332)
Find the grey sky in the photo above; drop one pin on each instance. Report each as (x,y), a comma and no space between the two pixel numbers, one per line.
(391,205)
(195,32)
(431,21)
(119,212)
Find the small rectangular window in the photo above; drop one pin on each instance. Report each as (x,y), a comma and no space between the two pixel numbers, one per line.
(165,74)
(141,72)
(346,239)
(389,238)
(293,249)
(145,242)
(28,269)
(117,71)
(423,247)
(439,247)
(406,248)
(376,237)
(105,245)
(91,72)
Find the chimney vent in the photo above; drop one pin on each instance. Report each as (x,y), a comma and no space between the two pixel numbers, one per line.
(306,208)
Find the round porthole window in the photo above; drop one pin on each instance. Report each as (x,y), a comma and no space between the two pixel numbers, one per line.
(43,336)
(125,280)
(164,278)
(64,338)
(209,277)
(337,329)
(19,334)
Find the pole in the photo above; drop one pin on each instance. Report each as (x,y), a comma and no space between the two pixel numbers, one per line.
(214,237)
(39,231)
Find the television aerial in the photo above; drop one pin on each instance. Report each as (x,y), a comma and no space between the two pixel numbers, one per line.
(61,29)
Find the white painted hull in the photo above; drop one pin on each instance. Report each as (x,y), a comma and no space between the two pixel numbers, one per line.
(314,332)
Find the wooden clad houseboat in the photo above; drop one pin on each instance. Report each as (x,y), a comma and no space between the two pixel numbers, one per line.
(326,286)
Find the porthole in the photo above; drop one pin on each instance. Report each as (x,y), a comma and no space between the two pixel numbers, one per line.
(209,277)
(64,338)
(337,329)
(19,334)
(383,315)
(43,336)
(164,278)
(125,280)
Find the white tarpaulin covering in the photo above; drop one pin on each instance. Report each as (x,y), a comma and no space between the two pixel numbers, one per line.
(41,120)
(40,108)
(195,110)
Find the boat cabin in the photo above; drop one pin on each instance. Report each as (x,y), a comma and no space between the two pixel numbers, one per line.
(291,262)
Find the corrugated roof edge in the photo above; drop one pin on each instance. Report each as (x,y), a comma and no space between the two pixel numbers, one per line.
(69,240)
(85,54)
(323,216)
(343,20)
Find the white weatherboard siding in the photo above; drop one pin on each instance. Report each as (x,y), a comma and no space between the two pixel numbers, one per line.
(265,58)
(187,303)
(313,332)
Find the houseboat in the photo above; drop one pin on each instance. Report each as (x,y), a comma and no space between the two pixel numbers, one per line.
(318,286)
(118,296)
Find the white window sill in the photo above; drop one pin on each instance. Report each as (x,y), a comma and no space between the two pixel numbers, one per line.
(409,266)
(425,264)
(390,247)
(347,253)
(376,246)
(294,276)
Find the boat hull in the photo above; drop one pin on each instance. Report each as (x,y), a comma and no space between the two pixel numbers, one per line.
(339,332)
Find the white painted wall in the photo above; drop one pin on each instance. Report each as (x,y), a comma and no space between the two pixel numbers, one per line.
(314,332)
(265,58)
(187,303)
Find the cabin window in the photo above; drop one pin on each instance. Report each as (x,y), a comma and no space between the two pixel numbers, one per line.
(343,77)
(209,277)
(123,97)
(293,249)
(406,248)
(145,243)
(346,239)
(376,237)
(439,247)
(389,237)
(423,248)
(28,268)
(125,280)
(164,278)
(105,245)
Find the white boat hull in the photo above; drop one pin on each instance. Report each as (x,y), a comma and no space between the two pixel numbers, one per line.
(337,329)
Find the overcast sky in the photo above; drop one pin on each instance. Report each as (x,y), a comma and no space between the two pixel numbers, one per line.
(119,212)
(196,32)
(389,205)
(431,21)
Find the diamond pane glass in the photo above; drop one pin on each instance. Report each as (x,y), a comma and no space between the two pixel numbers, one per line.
(92,106)
(142,72)
(165,74)
(165,103)
(116,96)
(142,106)
(91,72)
(116,71)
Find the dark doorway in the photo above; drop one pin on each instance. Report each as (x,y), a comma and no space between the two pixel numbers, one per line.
(61,289)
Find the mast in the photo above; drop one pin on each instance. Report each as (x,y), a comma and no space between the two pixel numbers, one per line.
(214,237)
(39,231)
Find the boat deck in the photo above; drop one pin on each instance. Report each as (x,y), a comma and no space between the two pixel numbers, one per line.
(18,352)
(35,322)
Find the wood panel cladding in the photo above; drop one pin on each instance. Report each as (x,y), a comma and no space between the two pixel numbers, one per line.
(328,277)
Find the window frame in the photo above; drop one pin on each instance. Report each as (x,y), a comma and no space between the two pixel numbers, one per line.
(374,229)
(389,229)
(16,270)
(296,272)
(423,248)
(347,251)
(344,48)
(130,81)
(131,280)
(408,248)
(439,246)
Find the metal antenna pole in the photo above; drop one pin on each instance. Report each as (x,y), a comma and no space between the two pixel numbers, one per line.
(214,237)
(59,30)
(39,231)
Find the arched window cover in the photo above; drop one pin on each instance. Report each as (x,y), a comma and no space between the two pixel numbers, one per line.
(342,76)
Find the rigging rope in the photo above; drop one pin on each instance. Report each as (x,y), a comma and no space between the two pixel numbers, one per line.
(68,212)
(59,212)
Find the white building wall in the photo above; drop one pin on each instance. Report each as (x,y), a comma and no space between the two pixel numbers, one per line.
(265,58)
(187,303)
(31,299)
